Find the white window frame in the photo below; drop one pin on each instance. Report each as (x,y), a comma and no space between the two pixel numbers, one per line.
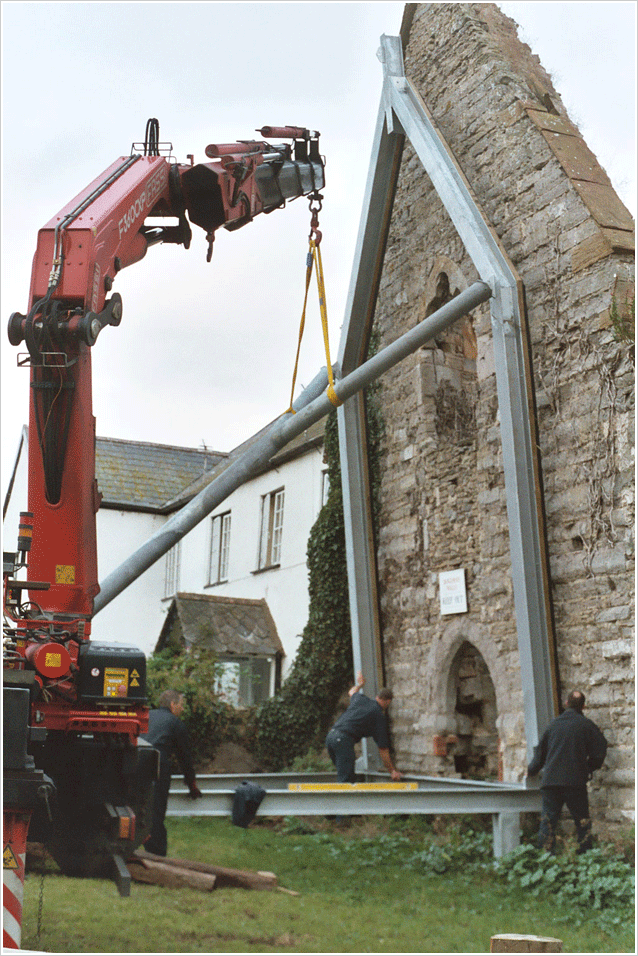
(172,570)
(219,550)
(271,528)
(325,486)
(237,678)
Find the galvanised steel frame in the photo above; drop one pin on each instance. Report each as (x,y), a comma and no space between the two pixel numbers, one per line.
(434,795)
(402,113)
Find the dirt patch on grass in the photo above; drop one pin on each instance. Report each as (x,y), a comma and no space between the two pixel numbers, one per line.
(230,758)
(284,941)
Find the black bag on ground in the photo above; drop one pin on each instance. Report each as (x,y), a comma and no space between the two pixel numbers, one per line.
(246,801)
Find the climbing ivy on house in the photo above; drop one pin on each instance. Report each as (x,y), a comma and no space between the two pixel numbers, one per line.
(286,726)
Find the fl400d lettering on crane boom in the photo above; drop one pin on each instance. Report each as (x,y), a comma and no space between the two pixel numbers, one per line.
(74,708)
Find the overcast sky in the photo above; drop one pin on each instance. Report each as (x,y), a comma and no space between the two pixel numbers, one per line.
(205,351)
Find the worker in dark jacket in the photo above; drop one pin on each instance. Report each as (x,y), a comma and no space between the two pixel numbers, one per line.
(363,718)
(169,736)
(570,750)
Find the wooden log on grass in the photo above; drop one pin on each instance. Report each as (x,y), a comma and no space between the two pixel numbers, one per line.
(173,877)
(514,943)
(225,876)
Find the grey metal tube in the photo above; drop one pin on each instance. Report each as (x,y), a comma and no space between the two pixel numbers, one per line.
(239,471)
(312,405)
(364,374)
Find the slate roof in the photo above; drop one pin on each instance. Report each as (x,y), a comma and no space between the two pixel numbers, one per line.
(232,627)
(145,476)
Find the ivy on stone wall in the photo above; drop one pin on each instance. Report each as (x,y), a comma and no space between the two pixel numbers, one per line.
(623,319)
(288,725)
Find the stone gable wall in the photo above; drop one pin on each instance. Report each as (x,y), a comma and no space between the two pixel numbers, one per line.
(443,496)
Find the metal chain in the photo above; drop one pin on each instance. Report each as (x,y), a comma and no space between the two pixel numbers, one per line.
(43,793)
(40,902)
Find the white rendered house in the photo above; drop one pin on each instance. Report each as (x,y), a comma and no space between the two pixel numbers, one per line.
(253,546)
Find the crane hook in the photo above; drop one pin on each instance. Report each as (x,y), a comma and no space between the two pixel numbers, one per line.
(317,199)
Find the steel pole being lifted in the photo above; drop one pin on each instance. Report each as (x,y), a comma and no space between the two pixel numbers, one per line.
(311,406)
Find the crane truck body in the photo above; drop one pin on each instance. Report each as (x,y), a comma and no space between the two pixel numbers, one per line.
(78,774)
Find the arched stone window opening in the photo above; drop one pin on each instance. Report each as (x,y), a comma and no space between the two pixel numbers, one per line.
(442,293)
(447,375)
(460,339)
(473,746)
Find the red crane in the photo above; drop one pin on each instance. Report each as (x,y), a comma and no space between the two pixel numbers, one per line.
(75,710)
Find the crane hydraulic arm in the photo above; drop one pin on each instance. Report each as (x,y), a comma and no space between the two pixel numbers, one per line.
(79,253)
(86,703)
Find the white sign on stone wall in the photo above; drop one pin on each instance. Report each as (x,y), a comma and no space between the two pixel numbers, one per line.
(452,593)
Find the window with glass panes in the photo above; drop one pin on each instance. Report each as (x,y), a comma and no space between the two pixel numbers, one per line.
(219,548)
(272,525)
(171,573)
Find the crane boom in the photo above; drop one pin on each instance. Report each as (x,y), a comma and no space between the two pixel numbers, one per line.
(86,707)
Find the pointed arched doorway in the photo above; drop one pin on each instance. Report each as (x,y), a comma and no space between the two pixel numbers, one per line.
(473,699)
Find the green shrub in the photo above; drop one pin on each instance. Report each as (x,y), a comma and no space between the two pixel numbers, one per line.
(208,719)
(314,761)
(598,881)
(459,852)
(623,319)
(595,880)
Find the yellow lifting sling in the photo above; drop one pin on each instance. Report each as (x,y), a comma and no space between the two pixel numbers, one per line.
(313,259)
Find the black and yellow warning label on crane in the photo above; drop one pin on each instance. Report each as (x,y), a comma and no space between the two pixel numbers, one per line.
(116,681)
(9,859)
(65,574)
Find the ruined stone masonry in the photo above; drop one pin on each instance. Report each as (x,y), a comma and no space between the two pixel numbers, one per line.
(458,696)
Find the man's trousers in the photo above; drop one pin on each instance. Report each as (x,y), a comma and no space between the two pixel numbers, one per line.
(157,842)
(575,798)
(340,747)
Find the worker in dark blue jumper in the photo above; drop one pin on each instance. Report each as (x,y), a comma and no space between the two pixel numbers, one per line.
(169,736)
(362,718)
(570,750)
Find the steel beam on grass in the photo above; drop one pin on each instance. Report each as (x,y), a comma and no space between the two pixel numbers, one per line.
(434,795)
(311,406)
(402,113)
(282,781)
(279,803)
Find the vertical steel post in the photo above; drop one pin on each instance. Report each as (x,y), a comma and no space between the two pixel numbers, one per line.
(368,263)
(378,200)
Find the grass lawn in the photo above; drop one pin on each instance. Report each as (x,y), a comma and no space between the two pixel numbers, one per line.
(344,905)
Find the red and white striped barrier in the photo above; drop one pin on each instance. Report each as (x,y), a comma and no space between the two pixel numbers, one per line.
(15,827)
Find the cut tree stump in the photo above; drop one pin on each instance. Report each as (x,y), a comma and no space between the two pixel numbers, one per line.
(173,877)
(513,943)
(244,879)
